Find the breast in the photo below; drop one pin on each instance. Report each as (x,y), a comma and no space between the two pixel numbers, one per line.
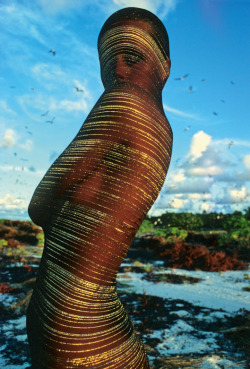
(125,183)
(129,144)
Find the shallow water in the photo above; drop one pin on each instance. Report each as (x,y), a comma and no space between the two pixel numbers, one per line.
(176,320)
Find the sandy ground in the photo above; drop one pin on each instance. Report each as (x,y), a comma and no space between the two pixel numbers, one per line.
(187,319)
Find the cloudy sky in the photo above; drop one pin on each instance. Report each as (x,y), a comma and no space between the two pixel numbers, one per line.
(46,96)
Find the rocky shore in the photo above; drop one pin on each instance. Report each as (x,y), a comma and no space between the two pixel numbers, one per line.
(178,330)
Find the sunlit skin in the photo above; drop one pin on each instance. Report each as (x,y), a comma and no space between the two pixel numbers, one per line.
(90,205)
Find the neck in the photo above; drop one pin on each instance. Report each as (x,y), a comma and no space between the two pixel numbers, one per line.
(153,97)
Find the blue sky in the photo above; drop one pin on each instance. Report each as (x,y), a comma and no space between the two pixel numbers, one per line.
(41,109)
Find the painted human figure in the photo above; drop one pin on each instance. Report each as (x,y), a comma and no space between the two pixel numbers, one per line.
(93,199)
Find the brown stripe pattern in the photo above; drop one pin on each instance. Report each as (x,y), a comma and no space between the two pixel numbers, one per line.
(91,203)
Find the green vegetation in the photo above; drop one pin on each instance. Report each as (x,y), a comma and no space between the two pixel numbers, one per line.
(40,238)
(146,227)
(148,267)
(247,288)
(229,229)
(3,243)
(2,221)
(172,234)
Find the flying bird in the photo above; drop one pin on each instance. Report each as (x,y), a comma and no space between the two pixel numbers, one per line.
(203,80)
(50,121)
(223,101)
(181,78)
(44,114)
(214,113)
(187,128)
(190,90)
(230,144)
(78,89)
(52,52)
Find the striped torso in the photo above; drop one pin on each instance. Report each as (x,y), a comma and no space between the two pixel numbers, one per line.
(108,178)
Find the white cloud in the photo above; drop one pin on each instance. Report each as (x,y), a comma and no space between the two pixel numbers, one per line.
(43,102)
(241,143)
(164,7)
(83,89)
(199,144)
(211,170)
(4,107)
(238,174)
(22,169)
(191,185)
(27,145)
(233,142)
(9,139)
(234,177)
(38,36)
(198,196)
(6,168)
(137,3)
(178,176)
(213,161)
(246,162)
(198,182)
(213,158)
(79,105)
(8,202)
(207,207)
(30,34)
(53,77)
(159,7)
(21,20)
(48,72)
(180,113)
(194,202)
(236,195)
(58,6)
(177,203)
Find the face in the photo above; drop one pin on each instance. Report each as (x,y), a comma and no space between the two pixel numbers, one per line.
(128,54)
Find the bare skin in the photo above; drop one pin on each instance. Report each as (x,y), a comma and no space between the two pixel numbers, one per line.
(99,173)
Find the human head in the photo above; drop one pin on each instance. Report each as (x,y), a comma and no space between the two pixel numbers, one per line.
(134,32)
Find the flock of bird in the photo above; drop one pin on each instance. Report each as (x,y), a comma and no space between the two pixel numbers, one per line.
(78,89)
(191,88)
(51,121)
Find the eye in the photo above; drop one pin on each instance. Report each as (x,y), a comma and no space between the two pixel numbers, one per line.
(133,58)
